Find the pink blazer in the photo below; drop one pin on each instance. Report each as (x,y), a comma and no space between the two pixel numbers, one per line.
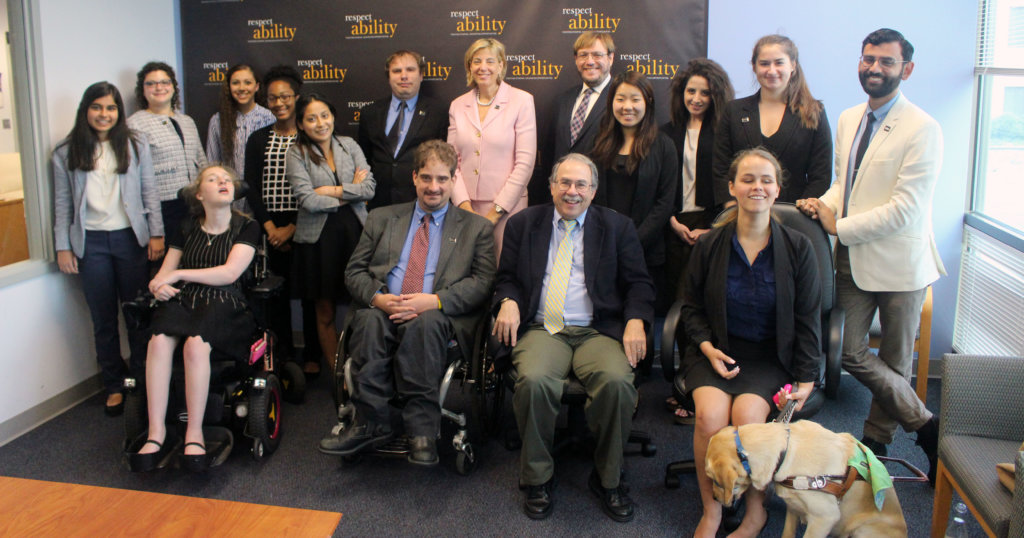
(496,159)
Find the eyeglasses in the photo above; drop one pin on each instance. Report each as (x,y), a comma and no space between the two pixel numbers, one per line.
(155,83)
(283,98)
(594,55)
(581,186)
(884,61)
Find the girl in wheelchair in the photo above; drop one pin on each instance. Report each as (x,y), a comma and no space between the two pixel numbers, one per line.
(201,305)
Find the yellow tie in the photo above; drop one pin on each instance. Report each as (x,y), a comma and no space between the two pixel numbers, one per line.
(554,303)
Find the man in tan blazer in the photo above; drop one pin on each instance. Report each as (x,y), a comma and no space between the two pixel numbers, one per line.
(887,158)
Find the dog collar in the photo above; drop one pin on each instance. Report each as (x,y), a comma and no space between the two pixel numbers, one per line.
(740,451)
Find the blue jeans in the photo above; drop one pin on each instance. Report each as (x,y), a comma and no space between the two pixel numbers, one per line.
(114,269)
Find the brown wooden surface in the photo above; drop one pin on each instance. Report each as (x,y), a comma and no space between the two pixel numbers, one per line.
(13,234)
(37,508)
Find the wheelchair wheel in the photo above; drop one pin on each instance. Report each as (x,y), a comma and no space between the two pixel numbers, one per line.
(293,380)
(338,373)
(465,461)
(264,425)
(136,420)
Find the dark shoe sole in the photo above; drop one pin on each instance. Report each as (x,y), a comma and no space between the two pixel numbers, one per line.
(425,463)
(114,410)
(372,442)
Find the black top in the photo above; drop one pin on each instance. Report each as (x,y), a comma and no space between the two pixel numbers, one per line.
(202,250)
(620,186)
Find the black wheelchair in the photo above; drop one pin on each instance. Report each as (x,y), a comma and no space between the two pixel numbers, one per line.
(245,396)
(462,370)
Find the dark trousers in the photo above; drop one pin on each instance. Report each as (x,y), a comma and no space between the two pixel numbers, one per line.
(114,269)
(407,358)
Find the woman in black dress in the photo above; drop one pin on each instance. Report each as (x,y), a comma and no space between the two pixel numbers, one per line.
(201,304)
(751,309)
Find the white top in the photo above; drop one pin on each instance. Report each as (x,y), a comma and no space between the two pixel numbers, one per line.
(690,172)
(594,98)
(103,207)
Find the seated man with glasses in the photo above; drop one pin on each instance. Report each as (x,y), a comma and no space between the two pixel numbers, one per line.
(573,294)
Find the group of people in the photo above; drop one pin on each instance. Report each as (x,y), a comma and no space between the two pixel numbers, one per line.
(420,237)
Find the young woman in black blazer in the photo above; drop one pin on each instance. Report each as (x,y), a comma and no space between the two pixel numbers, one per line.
(784,118)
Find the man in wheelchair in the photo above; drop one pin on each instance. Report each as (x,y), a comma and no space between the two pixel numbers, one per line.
(418,277)
(573,294)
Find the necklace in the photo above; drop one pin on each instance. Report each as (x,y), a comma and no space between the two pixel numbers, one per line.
(488,103)
(209,236)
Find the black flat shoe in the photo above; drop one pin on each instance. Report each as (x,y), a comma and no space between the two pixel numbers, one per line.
(539,503)
(114,410)
(196,463)
(614,501)
(142,463)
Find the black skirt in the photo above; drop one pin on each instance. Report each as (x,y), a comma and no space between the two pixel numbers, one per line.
(318,269)
(217,316)
(761,373)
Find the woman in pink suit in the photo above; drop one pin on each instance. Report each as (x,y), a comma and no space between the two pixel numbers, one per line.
(493,127)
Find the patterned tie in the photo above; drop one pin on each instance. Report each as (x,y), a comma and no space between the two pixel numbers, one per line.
(576,125)
(413,281)
(554,303)
(396,128)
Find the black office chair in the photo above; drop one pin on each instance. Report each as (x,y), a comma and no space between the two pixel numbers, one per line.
(831,328)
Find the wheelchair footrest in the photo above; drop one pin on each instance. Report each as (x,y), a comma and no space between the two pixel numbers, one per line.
(219,443)
(397,447)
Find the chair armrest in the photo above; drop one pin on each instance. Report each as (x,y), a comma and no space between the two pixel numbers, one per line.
(668,341)
(982,396)
(1017,514)
(834,353)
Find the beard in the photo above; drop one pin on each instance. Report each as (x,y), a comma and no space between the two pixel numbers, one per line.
(887,86)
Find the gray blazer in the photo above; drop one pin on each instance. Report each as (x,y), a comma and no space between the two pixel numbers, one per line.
(138,193)
(465,267)
(306,176)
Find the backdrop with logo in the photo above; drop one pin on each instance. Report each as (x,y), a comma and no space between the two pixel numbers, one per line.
(340,46)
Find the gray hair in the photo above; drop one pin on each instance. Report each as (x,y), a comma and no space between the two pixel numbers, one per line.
(580,158)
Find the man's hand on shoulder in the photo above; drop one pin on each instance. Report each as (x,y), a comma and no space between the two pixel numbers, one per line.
(634,341)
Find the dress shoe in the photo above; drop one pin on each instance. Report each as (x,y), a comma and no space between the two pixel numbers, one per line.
(423,450)
(614,501)
(539,502)
(115,404)
(196,463)
(928,440)
(142,463)
(878,447)
(355,438)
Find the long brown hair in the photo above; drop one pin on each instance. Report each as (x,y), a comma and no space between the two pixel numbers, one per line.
(610,138)
(798,95)
(82,141)
(229,114)
(718,84)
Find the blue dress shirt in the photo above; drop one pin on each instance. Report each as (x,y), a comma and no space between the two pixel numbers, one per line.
(410,108)
(397,274)
(579,309)
(750,294)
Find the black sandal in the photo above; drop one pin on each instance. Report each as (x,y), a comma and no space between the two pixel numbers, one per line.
(196,463)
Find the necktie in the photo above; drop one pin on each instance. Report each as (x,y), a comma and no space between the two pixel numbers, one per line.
(576,125)
(554,302)
(413,281)
(396,128)
(862,148)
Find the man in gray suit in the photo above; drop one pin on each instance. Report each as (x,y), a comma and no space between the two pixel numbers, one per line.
(420,276)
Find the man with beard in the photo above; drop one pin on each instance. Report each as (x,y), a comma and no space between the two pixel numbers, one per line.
(887,154)
(573,295)
(420,276)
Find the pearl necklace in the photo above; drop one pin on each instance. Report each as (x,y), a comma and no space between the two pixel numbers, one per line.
(488,103)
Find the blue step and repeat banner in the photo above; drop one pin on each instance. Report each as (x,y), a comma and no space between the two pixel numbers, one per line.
(340,46)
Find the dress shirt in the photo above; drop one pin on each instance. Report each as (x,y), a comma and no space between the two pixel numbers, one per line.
(879,118)
(397,274)
(410,108)
(579,309)
(594,98)
(750,294)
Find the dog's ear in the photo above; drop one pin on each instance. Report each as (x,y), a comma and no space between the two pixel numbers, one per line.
(764,449)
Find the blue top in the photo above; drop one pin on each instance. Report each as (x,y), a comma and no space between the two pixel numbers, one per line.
(579,309)
(397,274)
(410,107)
(750,294)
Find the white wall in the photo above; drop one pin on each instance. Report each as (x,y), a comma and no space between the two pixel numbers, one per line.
(829,36)
(46,333)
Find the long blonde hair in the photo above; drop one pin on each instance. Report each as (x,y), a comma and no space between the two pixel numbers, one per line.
(734,168)
(798,95)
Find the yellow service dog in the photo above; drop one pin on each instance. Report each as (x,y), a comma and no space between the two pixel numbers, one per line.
(775,452)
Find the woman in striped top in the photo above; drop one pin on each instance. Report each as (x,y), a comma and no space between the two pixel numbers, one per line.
(238,118)
(173,138)
(202,305)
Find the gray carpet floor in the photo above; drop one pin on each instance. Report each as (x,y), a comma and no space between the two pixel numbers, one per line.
(393,498)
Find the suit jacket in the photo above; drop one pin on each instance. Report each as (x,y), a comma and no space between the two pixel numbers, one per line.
(797,299)
(138,194)
(560,126)
(305,177)
(394,172)
(496,158)
(805,154)
(465,267)
(654,198)
(615,274)
(889,225)
(705,189)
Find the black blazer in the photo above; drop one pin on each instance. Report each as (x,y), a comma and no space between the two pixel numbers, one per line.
(797,299)
(255,161)
(805,154)
(654,200)
(558,139)
(616,277)
(394,174)
(705,191)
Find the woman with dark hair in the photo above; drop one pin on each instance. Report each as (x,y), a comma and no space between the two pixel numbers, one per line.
(238,118)
(639,168)
(173,138)
(784,118)
(332,182)
(751,309)
(106,224)
(273,205)
(202,307)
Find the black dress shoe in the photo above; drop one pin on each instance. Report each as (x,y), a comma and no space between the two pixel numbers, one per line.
(878,447)
(928,440)
(355,438)
(539,502)
(615,502)
(114,409)
(423,450)
(196,463)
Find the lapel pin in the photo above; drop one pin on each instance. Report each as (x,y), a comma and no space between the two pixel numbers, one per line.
(453,239)
(421,113)
(496,107)
(745,119)
(887,128)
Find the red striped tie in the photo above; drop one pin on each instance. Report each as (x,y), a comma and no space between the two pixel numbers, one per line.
(413,281)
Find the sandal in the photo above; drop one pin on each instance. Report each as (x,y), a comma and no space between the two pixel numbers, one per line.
(671,404)
(683,416)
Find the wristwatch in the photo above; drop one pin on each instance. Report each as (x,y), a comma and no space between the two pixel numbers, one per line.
(499,210)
